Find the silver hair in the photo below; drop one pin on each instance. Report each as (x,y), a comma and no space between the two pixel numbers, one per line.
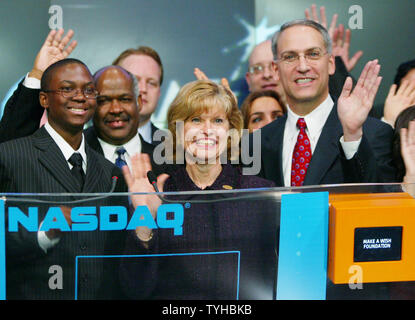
(301,22)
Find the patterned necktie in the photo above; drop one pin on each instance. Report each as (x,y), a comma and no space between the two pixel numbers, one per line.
(120,162)
(76,161)
(301,155)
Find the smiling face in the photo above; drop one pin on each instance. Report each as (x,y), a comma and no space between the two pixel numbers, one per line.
(305,82)
(148,74)
(68,115)
(205,136)
(264,110)
(117,117)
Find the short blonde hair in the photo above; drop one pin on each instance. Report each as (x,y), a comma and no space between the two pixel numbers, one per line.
(200,96)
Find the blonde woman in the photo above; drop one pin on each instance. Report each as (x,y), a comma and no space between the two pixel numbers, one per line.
(211,126)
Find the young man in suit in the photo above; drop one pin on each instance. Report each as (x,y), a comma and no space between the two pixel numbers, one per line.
(43,163)
(319,141)
(23,112)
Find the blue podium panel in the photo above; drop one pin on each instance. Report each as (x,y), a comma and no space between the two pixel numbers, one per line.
(302,264)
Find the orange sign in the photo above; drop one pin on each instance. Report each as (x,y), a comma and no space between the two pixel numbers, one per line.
(379,211)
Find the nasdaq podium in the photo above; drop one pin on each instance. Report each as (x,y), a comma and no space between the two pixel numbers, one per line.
(308,243)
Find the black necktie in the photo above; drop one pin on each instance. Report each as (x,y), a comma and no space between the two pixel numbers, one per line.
(76,161)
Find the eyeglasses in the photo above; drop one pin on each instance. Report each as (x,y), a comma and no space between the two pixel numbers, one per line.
(310,56)
(68,92)
(260,69)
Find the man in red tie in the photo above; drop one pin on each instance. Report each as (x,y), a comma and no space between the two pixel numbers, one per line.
(319,141)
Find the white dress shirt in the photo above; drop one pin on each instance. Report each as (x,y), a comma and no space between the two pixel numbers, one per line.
(31,83)
(44,242)
(315,121)
(132,147)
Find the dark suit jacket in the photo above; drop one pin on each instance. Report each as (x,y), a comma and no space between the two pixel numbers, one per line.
(22,114)
(371,163)
(35,164)
(153,130)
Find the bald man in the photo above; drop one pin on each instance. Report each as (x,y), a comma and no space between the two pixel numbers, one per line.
(260,75)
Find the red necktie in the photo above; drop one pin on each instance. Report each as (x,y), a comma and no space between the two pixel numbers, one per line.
(301,155)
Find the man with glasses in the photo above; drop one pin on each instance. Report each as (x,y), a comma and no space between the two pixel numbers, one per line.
(319,141)
(260,75)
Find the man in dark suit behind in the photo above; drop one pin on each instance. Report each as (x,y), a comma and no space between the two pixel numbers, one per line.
(345,145)
(42,163)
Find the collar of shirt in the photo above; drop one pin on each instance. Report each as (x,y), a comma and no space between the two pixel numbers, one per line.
(65,147)
(132,147)
(315,121)
(145,132)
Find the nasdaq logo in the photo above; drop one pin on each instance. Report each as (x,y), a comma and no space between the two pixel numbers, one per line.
(105,218)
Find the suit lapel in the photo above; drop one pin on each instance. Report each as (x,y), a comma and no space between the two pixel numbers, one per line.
(272,157)
(52,159)
(93,171)
(92,140)
(326,151)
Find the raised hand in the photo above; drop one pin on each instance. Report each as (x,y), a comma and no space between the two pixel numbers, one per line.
(323,20)
(353,106)
(54,48)
(200,75)
(398,100)
(341,46)
(137,182)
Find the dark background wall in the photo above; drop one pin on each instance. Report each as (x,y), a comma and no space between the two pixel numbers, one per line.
(216,36)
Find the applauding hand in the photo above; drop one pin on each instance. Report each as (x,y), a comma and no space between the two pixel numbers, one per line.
(398,100)
(137,182)
(353,106)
